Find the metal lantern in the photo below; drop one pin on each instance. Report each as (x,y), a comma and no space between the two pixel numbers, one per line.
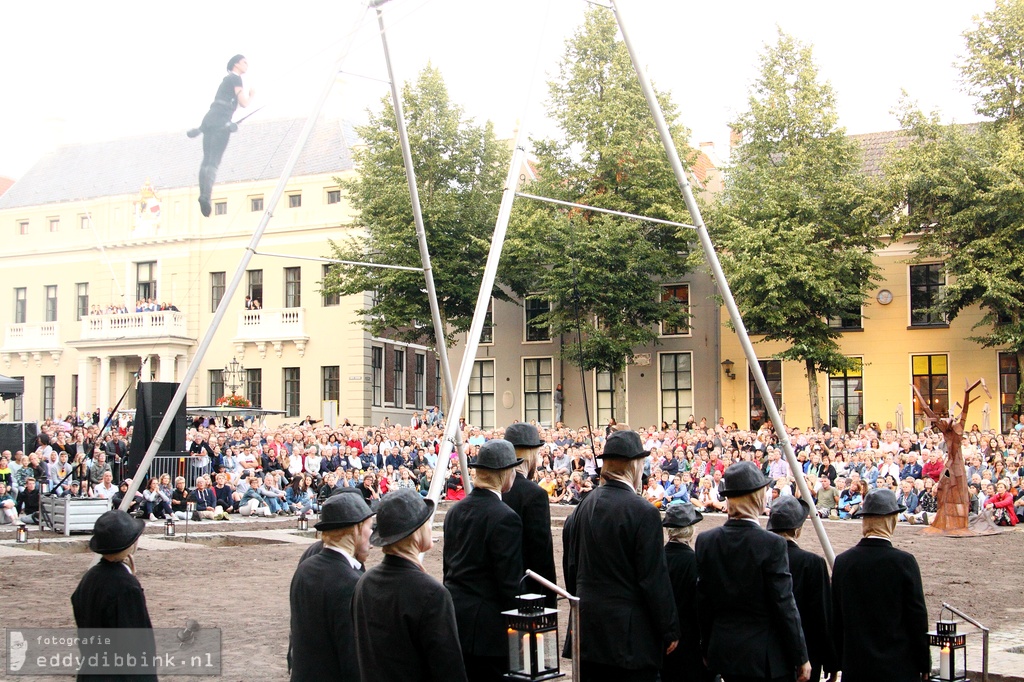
(169,527)
(949,650)
(303,523)
(44,486)
(532,640)
(21,535)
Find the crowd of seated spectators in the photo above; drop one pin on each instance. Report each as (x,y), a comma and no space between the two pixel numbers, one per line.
(291,469)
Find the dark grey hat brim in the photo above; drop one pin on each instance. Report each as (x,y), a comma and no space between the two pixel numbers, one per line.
(642,453)
(746,491)
(899,510)
(698,517)
(139,527)
(331,525)
(476,465)
(378,540)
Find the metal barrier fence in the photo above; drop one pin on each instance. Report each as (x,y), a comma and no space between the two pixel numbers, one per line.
(177,465)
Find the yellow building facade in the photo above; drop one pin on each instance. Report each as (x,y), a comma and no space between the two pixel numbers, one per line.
(97,227)
(897,346)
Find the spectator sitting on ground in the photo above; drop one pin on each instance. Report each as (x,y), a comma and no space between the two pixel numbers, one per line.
(8,513)
(274,496)
(849,500)
(156,504)
(27,502)
(298,497)
(909,499)
(1002,505)
(227,498)
(106,488)
(827,499)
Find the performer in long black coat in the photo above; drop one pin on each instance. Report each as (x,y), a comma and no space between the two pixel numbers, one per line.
(533,506)
(110,596)
(483,561)
(811,586)
(404,619)
(881,620)
(685,664)
(614,561)
(322,635)
(750,627)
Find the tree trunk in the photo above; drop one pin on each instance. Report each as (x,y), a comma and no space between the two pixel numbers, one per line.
(621,413)
(812,392)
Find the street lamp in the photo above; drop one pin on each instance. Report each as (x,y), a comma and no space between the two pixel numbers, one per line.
(233,375)
(727,366)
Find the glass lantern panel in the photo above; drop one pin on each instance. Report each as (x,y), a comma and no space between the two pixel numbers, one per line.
(550,657)
(515,653)
(960,662)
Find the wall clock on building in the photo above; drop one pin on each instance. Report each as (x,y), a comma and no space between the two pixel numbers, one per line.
(885,297)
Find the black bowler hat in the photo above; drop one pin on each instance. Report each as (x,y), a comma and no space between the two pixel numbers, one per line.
(399,514)
(523,435)
(681,515)
(787,513)
(115,531)
(341,511)
(879,502)
(497,453)
(742,478)
(624,445)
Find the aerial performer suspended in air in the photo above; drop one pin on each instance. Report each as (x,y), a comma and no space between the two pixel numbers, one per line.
(217,126)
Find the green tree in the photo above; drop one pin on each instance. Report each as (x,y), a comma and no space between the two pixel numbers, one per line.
(796,225)
(460,170)
(599,273)
(993,68)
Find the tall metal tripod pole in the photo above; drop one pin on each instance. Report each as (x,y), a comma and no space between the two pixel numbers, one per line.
(440,343)
(229,292)
(723,284)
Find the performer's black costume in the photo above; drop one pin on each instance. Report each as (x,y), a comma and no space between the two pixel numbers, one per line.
(215,128)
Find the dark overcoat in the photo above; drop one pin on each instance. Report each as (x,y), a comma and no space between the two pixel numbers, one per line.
(685,663)
(483,564)
(880,616)
(614,561)
(749,623)
(110,596)
(405,626)
(813,593)
(322,636)
(534,508)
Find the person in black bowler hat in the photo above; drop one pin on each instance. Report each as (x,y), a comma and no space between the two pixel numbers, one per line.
(749,623)
(811,586)
(614,561)
(483,561)
(881,620)
(315,548)
(110,596)
(405,627)
(322,636)
(532,504)
(685,663)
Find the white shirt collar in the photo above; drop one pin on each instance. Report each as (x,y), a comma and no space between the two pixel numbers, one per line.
(351,560)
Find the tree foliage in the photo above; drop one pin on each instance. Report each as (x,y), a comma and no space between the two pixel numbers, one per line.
(797,224)
(460,170)
(600,273)
(964,186)
(993,68)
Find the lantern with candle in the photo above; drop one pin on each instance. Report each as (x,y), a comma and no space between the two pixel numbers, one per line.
(303,522)
(532,640)
(949,653)
(169,527)
(21,534)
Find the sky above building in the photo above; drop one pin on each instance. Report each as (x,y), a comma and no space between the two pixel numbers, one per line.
(83,72)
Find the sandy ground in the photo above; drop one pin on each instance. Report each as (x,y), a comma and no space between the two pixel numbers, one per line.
(244,589)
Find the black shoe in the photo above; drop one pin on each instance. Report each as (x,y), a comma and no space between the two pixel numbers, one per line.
(195,132)
(204,207)
(196,516)
(232,127)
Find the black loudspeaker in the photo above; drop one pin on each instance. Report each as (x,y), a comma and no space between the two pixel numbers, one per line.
(152,398)
(11,436)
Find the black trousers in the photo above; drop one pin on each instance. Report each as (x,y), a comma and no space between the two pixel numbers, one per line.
(485,668)
(215,141)
(597,672)
(742,678)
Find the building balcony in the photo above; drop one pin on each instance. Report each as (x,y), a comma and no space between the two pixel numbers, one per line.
(149,325)
(272,326)
(31,340)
